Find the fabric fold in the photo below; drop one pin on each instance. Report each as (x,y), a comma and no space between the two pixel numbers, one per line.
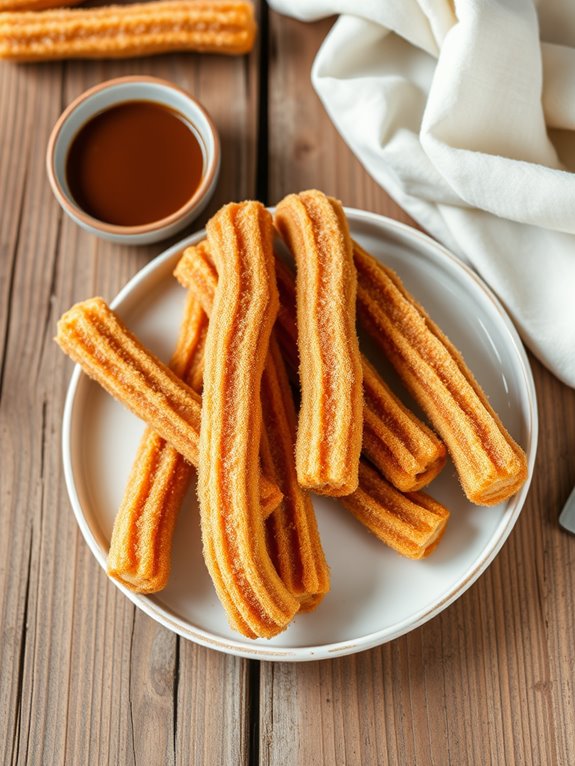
(466,118)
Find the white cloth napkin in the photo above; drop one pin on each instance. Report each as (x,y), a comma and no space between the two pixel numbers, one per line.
(468,120)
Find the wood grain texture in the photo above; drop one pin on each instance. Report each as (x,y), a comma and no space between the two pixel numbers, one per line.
(491,679)
(85,677)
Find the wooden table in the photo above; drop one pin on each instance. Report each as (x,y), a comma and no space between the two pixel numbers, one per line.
(88,679)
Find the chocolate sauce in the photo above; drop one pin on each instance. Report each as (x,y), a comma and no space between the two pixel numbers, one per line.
(134,163)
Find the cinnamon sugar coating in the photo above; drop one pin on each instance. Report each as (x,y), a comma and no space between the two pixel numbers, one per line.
(328,442)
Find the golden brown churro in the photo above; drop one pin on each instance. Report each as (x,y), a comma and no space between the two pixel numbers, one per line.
(402,448)
(329,431)
(34,5)
(246,301)
(141,544)
(412,523)
(491,466)
(405,450)
(121,31)
(196,272)
(96,339)
(292,533)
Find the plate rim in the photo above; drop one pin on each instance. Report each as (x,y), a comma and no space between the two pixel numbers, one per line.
(165,617)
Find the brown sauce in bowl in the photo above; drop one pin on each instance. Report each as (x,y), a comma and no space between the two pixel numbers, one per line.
(134,164)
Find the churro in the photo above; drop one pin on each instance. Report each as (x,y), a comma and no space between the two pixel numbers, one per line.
(293,537)
(34,5)
(328,442)
(245,305)
(402,448)
(141,544)
(196,272)
(96,339)
(292,531)
(490,465)
(412,524)
(121,31)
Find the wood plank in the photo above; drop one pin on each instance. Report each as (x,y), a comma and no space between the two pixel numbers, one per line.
(490,680)
(305,150)
(213,708)
(85,677)
(31,253)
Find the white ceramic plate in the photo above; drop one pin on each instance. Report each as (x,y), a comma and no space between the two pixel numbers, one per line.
(376,595)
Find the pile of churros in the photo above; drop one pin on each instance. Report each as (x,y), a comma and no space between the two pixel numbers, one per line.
(269,397)
(44,30)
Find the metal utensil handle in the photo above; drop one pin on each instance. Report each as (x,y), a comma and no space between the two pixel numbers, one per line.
(567,515)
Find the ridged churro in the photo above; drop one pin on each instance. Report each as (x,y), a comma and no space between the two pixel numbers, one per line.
(96,339)
(491,466)
(292,528)
(196,272)
(286,323)
(412,524)
(121,31)
(141,544)
(245,305)
(293,537)
(34,5)
(328,442)
(402,448)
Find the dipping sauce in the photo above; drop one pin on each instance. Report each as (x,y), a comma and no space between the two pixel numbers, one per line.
(135,163)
